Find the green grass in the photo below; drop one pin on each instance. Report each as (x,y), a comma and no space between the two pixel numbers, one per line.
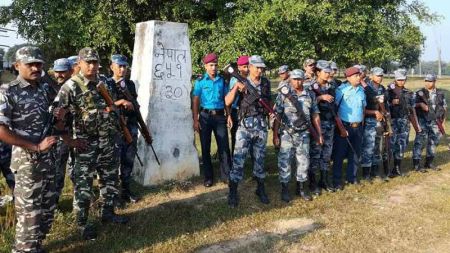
(406,214)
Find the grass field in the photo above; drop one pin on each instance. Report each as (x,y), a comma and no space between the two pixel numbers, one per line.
(410,214)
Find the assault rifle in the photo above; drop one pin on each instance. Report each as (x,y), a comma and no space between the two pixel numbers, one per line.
(412,112)
(122,123)
(439,122)
(254,96)
(141,123)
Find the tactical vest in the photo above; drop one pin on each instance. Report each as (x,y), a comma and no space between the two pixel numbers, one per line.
(325,107)
(423,95)
(248,108)
(400,110)
(371,98)
(92,108)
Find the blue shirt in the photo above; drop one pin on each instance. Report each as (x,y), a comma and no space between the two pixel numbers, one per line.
(211,92)
(351,102)
(233,81)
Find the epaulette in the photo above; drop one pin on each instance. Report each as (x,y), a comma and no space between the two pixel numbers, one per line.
(13,82)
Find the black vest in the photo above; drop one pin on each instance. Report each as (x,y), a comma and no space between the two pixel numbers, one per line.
(400,110)
(248,108)
(423,96)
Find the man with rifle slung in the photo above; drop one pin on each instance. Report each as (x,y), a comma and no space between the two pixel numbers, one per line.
(295,106)
(254,103)
(321,154)
(120,85)
(94,120)
(401,105)
(351,102)
(373,123)
(431,108)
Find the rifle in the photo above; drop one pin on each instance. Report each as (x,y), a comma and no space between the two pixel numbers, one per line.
(141,123)
(412,112)
(122,123)
(387,125)
(256,97)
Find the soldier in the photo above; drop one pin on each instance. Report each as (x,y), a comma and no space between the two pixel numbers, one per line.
(252,130)
(431,108)
(92,121)
(333,80)
(209,92)
(350,101)
(118,83)
(62,71)
(321,154)
(296,106)
(308,66)
(401,104)
(372,123)
(24,114)
(283,73)
(242,63)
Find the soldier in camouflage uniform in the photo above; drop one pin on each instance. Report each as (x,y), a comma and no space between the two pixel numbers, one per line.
(252,130)
(283,73)
(24,105)
(321,154)
(431,108)
(118,83)
(401,103)
(373,129)
(295,106)
(333,80)
(92,121)
(62,71)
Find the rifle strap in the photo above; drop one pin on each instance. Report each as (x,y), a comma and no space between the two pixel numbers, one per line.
(298,106)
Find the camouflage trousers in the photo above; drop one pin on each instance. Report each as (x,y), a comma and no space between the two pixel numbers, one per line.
(321,155)
(62,155)
(372,138)
(399,140)
(127,155)
(430,134)
(101,158)
(298,142)
(35,197)
(246,138)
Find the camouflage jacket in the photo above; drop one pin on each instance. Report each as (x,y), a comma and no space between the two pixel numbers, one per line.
(87,107)
(24,108)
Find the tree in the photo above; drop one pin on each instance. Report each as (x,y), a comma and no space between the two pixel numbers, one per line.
(283,31)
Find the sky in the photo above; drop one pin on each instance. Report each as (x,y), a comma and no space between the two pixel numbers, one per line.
(436,35)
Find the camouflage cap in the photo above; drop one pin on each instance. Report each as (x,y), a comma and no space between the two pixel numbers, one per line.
(283,69)
(361,67)
(377,71)
(119,59)
(430,77)
(323,65)
(297,74)
(88,54)
(29,54)
(400,74)
(257,61)
(73,60)
(62,64)
(309,62)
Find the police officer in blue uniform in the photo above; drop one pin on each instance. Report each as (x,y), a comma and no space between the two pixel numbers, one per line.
(211,115)
(351,101)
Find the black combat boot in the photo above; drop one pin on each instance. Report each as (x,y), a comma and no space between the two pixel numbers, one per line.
(233,199)
(261,191)
(429,163)
(302,191)
(323,181)
(366,173)
(313,187)
(416,166)
(285,192)
(127,195)
(108,215)
(88,232)
(386,170)
(374,171)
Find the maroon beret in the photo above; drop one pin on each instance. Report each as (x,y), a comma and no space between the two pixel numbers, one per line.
(243,60)
(211,57)
(351,71)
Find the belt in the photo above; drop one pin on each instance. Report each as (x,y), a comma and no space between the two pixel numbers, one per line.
(352,124)
(214,111)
